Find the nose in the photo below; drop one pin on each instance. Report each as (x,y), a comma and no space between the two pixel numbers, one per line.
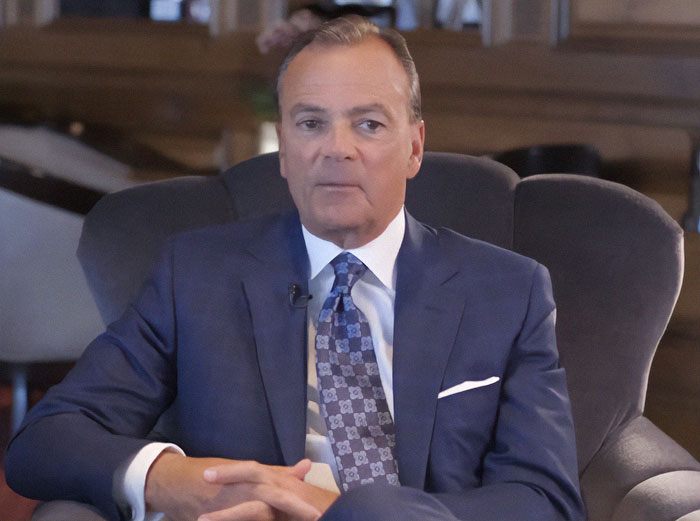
(340,143)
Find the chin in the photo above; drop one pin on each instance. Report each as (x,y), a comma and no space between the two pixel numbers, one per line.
(348,214)
(339,226)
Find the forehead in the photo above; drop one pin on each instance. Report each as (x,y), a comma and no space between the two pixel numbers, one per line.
(367,72)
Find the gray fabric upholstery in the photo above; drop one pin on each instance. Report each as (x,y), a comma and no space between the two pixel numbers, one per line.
(649,499)
(473,196)
(693,516)
(257,187)
(65,511)
(615,258)
(122,237)
(632,455)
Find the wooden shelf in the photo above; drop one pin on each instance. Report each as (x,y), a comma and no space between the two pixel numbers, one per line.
(175,78)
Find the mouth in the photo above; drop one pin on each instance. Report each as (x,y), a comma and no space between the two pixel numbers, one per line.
(337,186)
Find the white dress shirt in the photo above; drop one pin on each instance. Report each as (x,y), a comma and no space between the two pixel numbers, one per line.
(374,294)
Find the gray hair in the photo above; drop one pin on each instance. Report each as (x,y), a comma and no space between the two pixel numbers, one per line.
(352,30)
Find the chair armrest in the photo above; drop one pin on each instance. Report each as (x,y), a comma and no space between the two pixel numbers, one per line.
(666,496)
(633,455)
(693,516)
(55,510)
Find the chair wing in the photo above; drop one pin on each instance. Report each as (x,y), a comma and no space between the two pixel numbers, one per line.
(616,261)
(125,230)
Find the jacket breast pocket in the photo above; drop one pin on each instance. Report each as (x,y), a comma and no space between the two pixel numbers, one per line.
(464,425)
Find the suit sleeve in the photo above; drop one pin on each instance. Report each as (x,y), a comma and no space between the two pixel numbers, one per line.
(73,440)
(530,470)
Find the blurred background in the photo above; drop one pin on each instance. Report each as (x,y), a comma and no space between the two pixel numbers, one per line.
(100,95)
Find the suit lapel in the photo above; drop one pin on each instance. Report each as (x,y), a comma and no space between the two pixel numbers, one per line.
(280,330)
(427,315)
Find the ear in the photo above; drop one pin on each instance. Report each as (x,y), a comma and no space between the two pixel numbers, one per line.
(417,144)
(280,141)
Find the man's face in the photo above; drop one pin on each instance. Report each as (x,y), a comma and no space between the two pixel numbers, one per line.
(347,145)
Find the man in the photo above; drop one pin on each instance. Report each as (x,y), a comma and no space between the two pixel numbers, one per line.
(429,358)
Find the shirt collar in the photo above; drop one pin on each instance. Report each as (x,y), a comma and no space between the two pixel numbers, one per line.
(379,255)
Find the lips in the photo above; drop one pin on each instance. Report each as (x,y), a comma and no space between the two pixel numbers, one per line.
(337,186)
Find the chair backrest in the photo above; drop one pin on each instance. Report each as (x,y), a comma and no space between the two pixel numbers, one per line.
(616,261)
(46,310)
(125,230)
(471,195)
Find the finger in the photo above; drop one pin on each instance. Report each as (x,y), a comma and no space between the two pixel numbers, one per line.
(264,501)
(285,501)
(238,472)
(247,471)
(301,468)
(248,511)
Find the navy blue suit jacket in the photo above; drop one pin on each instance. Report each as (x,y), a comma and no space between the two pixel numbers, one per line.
(214,343)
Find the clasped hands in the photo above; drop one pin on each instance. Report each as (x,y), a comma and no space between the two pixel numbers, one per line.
(215,489)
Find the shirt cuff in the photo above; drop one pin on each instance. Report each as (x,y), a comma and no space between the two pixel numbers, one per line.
(133,485)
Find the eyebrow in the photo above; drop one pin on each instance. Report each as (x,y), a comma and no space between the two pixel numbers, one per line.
(303,107)
(372,107)
(354,111)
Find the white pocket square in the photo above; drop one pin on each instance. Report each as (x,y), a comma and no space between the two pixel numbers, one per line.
(467,385)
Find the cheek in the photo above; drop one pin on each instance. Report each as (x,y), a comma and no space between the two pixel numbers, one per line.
(298,176)
(394,171)
(291,165)
(394,155)
(298,156)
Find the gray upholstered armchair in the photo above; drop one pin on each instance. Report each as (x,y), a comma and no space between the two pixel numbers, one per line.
(616,262)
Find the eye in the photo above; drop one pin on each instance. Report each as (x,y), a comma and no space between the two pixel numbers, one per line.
(309,124)
(371,125)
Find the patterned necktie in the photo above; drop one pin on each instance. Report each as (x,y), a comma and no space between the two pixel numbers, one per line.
(353,403)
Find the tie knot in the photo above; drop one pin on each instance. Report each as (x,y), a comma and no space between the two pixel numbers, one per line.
(348,270)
